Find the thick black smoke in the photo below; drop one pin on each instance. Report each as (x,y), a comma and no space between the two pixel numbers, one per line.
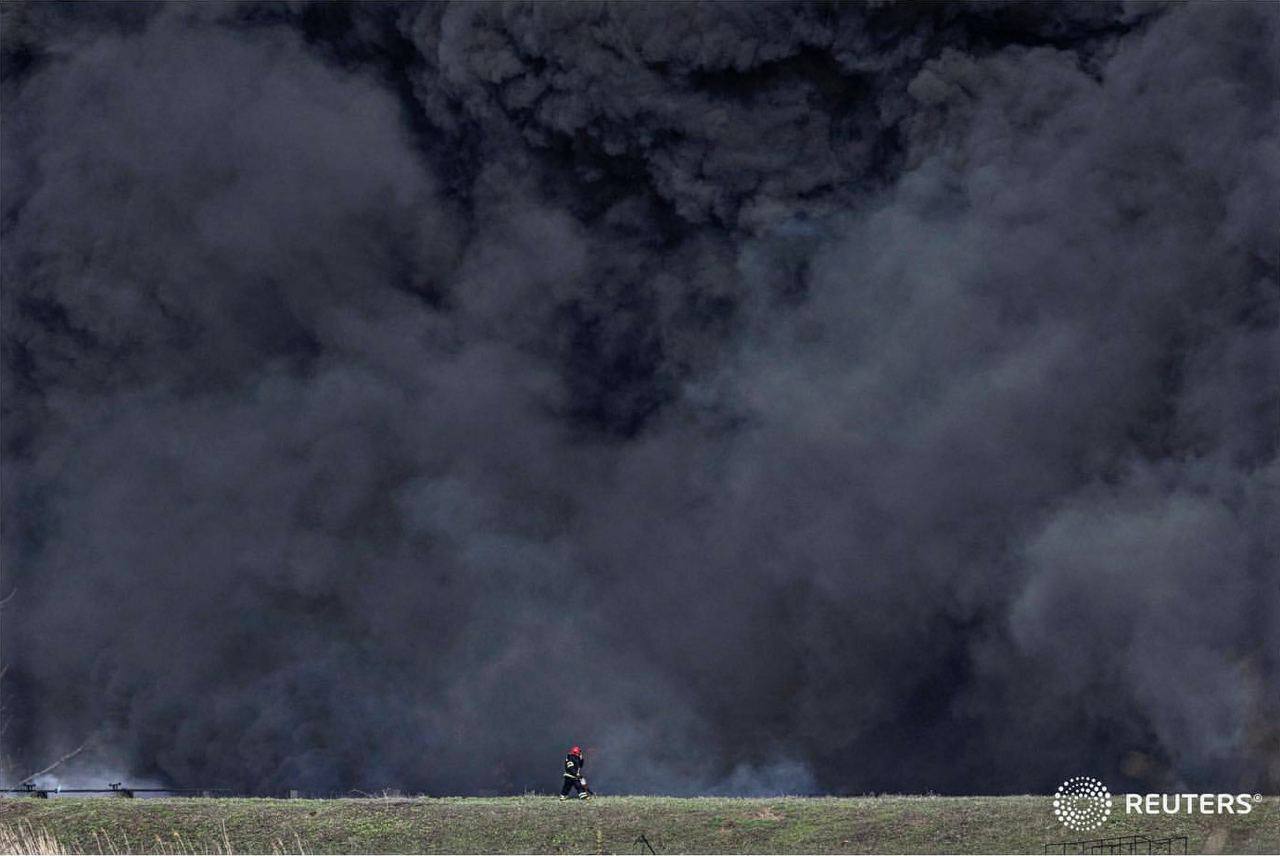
(771,397)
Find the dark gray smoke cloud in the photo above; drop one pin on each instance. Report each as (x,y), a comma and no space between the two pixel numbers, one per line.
(770,397)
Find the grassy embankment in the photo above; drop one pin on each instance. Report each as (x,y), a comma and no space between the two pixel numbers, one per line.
(536,824)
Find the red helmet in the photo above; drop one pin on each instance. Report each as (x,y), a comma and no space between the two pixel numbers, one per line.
(575,751)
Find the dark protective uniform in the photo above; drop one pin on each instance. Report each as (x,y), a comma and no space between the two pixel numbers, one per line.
(573,775)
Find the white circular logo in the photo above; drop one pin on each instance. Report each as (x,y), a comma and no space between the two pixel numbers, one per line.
(1082,803)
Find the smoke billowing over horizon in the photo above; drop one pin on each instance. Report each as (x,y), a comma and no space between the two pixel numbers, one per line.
(771,398)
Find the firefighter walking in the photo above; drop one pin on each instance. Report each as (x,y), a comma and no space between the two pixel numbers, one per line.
(573,778)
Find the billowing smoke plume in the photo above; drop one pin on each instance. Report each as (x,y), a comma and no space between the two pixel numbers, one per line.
(769,397)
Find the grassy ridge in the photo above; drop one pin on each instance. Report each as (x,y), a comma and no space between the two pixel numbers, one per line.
(535,824)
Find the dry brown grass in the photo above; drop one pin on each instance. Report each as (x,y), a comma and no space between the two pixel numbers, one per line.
(22,837)
(28,840)
(534,824)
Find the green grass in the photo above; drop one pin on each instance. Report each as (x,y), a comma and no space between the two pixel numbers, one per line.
(537,824)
